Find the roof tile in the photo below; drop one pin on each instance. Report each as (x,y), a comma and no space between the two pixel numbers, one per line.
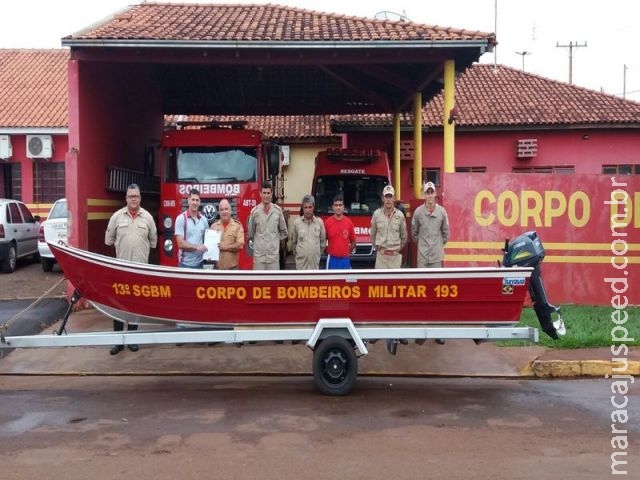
(33,88)
(500,96)
(247,23)
(285,127)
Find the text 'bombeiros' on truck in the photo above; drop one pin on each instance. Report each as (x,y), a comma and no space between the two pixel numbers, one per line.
(221,160)
(359,175)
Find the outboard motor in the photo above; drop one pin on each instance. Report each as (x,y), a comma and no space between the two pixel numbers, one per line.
(527,251)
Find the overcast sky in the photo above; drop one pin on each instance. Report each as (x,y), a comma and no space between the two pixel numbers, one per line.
(609,30)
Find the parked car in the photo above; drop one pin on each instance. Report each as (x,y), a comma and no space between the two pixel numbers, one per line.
(18,234)
(53,229)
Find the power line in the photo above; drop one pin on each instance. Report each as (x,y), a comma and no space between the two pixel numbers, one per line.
(571,46)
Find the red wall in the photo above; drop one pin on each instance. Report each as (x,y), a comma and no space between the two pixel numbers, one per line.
(571,218)
(19,149)
(578,255)
(586,150)
(114,114)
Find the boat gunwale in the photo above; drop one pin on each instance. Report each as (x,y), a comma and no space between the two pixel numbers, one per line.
(264,275)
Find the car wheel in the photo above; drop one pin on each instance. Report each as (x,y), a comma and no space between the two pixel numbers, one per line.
(9,263)
(47,263)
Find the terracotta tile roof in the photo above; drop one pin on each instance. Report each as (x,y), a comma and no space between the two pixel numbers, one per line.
(275,127)
(488,96)
(33,88)
(260,23)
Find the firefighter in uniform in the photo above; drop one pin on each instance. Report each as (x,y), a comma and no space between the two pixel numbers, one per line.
(266,228)
(388,231)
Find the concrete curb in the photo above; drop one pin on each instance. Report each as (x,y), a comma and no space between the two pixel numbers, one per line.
(579,368)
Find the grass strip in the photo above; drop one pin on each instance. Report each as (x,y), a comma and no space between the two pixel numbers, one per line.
(587,327)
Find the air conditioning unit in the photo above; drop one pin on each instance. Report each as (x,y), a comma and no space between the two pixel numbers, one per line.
(6,152)
(285,155)
(39,146)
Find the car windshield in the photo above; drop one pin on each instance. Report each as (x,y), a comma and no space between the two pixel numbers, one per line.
(59,210)
(362,194)
(217,164)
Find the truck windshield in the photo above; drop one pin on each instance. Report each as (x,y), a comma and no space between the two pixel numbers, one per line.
(217,164)
(362,194)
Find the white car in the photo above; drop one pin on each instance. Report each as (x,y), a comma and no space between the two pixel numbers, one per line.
(18,234)
(53,229)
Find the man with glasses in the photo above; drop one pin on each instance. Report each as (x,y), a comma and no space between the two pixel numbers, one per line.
(132,231)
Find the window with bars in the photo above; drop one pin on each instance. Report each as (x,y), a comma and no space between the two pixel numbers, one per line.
(48,181)
(471,169)
(566,169)
(13,181)
(624,169)
(428,175)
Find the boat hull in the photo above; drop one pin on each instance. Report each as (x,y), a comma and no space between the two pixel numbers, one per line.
(137,292)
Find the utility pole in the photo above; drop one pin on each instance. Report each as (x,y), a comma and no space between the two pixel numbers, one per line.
(523,54)
(495,32)
(624,81)
(571,46)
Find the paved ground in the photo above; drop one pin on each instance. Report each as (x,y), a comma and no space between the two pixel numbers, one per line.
(30,281)
(231,428)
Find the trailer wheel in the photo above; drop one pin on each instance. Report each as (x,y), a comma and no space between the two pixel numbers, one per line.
(335,366)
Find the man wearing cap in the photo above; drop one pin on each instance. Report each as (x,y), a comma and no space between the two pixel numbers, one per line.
(430,228)
(388,231)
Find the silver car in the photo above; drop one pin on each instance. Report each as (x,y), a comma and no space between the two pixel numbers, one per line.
(18,234)
(52,230)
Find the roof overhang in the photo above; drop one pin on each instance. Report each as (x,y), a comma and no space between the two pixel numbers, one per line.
(295,78)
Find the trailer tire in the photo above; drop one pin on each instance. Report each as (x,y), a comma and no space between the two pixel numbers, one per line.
(335,366)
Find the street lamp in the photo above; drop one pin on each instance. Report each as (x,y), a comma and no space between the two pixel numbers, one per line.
(523,54)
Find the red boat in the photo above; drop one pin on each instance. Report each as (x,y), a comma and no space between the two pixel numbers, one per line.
(335,312)
(137,292)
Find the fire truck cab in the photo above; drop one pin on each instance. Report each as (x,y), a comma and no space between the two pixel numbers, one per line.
(221,160)
(360,176)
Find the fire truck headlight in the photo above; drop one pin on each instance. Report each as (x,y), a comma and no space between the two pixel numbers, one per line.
(167,222)
(168,246)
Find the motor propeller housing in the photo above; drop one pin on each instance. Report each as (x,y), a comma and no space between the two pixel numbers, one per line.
(527,251)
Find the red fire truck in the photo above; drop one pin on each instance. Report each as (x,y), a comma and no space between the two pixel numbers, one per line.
(360,176)
(221,160)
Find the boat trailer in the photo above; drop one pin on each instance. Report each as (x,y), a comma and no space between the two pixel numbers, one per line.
(336,342)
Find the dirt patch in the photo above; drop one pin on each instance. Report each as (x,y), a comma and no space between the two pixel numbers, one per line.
(30,281)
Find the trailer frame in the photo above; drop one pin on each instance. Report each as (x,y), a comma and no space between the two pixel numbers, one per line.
(336,342)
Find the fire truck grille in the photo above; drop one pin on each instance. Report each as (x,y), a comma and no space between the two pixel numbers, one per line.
(210,208)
